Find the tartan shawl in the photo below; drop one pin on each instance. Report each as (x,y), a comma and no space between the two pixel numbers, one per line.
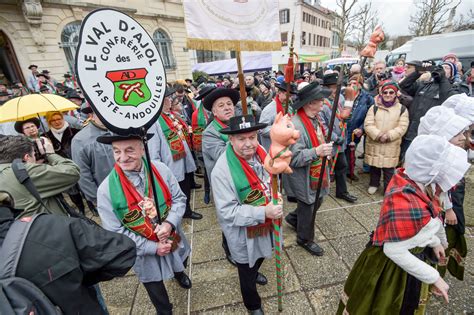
(406,209)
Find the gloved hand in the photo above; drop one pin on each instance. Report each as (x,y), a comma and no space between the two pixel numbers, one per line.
(438,74)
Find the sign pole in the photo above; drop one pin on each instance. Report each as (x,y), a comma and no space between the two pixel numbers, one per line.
(150,172)
(240,74)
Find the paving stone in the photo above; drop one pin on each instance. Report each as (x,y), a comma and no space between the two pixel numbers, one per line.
(207,246)
(314,271)
(290,281)
(209,220)
(460,297)
(367,215)
(337,223)
(325,300)
(178,297)
(118,293)
(199,200)
(293,303)
(469,262)
(362,197)
(349,248)
(289,235)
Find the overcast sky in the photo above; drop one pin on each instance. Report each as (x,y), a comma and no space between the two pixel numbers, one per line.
(395,14)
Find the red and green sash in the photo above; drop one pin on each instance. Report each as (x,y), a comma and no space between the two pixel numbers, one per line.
(219,125)
(125,199)
(280,107)
(173,136)
(343,126)
(185,129)
(198,122)
(315,168)
(250,188)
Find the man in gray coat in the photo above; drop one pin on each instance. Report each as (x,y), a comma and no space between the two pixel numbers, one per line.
(94,159)
(162,250)
(241,193)
(181,166)
(308,152)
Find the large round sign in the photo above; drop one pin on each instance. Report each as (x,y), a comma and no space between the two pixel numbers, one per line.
(120,71)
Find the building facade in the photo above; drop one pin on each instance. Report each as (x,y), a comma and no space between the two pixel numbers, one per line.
(46,33)
(312,26)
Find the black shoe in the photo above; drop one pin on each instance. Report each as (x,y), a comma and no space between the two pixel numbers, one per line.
(193,215)
(360,157)
(207,197)
(196,186)
(183,280)
(231,260)
(257,312)
(347,197)
(261,279)
(290,222)
(353,178)
(291,199)
(311,247)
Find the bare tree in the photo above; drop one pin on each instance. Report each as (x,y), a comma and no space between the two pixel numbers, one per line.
(465,22)
(366,22)
(345,20)
(430,16)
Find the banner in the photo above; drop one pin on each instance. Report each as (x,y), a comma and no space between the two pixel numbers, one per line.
(244,25)
(120,71)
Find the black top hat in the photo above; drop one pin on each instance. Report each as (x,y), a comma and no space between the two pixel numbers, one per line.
(31,66)
(311,92)
(108,139)
(204,91)
(218,93)
(45,71)
(41,74)
(242,124)
(44,88)
(71,93)
(283,86)
(330,79)
(19,124)
(169,91)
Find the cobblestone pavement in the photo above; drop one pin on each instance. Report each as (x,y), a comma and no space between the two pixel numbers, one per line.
(312,284)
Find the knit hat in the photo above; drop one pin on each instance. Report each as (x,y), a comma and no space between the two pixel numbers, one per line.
(450,55)
(280,79)
(443,122)
(462,105)
(432,159)
(389,84)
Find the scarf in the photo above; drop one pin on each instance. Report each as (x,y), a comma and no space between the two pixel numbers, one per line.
(58,133)
(198,123)
(126,199)
(315,167)
(387,104)
(406,209)
(174,135)
(218,125)
(250,189)
(280,107)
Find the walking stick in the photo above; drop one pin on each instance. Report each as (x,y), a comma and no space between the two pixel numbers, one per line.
(278,244)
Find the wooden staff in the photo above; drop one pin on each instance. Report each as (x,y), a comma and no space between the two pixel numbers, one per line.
(240,74)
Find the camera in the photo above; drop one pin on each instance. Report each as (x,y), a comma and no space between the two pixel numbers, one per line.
(38,154)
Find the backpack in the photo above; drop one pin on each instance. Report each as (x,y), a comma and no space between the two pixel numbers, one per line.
(18,295)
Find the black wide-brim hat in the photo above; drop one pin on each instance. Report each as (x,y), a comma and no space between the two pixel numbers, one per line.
(19,124)
(31,66)
(109,139)
(169,91)
(242,124)
(330,79)
(218,93)
(311,92)
(87,110)
(204,91)
(71,94)
(283,86)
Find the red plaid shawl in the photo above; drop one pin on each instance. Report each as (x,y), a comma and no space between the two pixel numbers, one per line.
(406,209)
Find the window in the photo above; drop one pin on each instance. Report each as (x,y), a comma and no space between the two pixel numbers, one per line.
(303,38)
(284,16)
(69,40)
(309,39)
(314,39)
(284,39)
(163,44)
(209,55)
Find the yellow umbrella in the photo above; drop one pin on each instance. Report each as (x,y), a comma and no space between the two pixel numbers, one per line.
(34,105)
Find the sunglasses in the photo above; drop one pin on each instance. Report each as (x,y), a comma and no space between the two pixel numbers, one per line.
(388,92)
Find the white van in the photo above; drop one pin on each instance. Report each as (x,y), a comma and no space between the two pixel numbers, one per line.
(434,47)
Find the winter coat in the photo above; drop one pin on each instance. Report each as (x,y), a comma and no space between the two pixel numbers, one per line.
(359,110)
(392,120)
(94,159)
(425,96)
(64,257)
(50,179)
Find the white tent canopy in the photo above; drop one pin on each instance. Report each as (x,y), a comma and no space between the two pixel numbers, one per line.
(250,63)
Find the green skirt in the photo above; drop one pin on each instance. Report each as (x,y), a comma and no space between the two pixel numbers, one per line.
(376,285)
(455,254)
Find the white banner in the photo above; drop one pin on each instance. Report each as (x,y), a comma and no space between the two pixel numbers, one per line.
(233,24)
(120,71)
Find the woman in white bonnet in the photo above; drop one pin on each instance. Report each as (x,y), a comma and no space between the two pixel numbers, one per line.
(409,234)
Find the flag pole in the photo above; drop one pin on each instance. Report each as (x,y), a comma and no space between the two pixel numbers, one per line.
(240,75)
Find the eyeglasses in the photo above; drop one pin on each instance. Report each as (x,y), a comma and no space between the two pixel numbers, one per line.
(388,92)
